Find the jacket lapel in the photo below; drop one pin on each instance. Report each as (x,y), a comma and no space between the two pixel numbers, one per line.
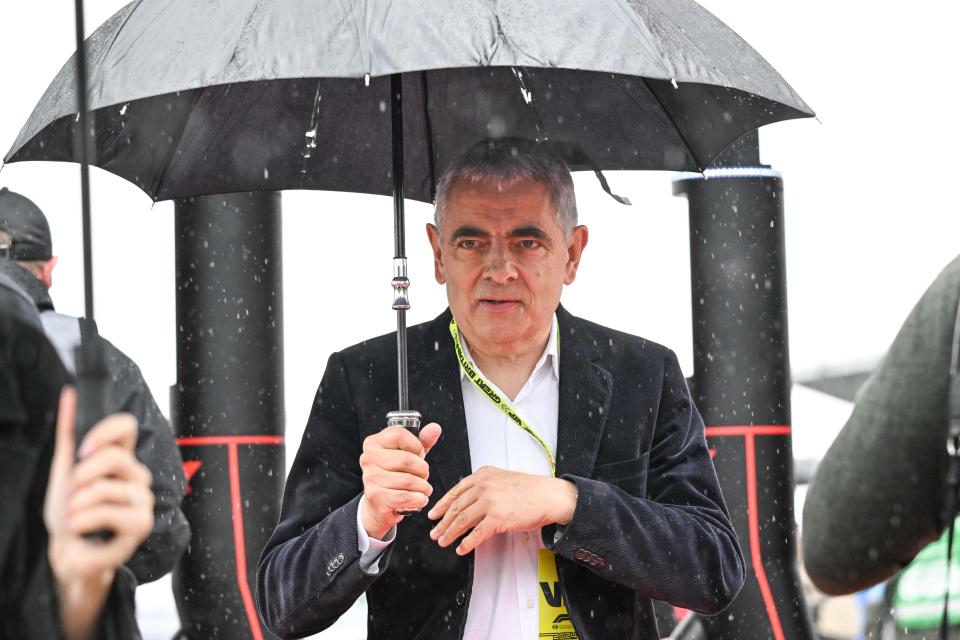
(585,392)
(435,392)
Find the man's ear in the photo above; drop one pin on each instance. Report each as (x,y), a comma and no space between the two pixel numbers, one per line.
(46,272)
(578,241)
(433,234)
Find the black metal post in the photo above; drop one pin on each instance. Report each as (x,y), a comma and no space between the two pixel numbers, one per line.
(742,382)
(228,404)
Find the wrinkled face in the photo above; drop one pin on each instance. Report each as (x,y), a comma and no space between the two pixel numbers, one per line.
(503,258)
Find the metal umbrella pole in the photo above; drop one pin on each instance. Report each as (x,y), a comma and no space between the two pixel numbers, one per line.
(83,140)
(404,416)
(91,365)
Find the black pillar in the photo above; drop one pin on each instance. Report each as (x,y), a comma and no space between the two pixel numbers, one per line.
(741,382)
(228,404)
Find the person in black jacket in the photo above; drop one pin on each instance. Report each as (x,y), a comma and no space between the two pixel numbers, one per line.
(26,256)
(564,475)
(56,582)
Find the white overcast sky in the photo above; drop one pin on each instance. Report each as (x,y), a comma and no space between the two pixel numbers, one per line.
(871,215)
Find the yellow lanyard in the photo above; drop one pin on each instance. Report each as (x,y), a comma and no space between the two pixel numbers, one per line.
(554,617)
(471,371)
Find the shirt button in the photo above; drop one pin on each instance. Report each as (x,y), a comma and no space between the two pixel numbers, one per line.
(461,598)
(525,536)
(529,603)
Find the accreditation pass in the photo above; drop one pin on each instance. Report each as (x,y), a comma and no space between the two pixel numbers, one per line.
(555,620)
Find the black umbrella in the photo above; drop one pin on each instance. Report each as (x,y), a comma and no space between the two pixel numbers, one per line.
(197,98)
(377,97)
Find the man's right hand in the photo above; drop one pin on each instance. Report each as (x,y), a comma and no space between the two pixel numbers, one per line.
(394,476)
(107,489)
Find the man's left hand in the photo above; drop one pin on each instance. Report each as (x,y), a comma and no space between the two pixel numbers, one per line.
(493,500)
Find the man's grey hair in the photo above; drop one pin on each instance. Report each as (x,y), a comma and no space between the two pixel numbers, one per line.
(508,161)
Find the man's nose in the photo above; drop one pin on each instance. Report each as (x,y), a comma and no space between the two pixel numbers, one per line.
(499,265)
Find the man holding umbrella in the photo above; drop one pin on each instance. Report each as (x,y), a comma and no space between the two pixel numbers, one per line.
(571,484)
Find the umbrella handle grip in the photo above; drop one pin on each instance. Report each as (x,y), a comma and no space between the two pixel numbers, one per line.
(92,381)
(409,420)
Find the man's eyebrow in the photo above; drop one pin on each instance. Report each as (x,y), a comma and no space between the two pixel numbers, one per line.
(528,232)
(468,231)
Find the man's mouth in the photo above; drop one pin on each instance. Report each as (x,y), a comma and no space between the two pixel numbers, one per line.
(496,302)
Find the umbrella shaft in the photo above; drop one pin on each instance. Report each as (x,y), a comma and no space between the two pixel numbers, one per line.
(404,400)
(400,283)
(87,241)
(83,142)
(396,112)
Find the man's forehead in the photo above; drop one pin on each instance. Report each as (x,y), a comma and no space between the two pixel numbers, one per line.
(492,199)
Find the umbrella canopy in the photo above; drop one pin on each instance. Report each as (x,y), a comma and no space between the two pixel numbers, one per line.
(242,95)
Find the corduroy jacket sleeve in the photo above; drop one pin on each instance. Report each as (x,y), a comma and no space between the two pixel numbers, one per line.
(659,525)
(309,573)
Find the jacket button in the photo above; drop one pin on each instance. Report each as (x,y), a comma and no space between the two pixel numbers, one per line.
(334,564)
(461,598)
(580,554)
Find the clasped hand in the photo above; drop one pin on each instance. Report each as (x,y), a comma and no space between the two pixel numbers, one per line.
(489,501)
(492,500)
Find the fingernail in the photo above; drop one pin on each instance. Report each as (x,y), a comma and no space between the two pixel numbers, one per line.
(433,533)
(84,450)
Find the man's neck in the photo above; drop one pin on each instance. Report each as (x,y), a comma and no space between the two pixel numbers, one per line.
(509,369)
(29,283)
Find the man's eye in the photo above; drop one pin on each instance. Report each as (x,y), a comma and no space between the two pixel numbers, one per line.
(529,244)
(469,244)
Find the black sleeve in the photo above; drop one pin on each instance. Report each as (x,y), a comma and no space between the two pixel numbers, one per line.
(157,450)
(309,572)
(40,615)
(655,543)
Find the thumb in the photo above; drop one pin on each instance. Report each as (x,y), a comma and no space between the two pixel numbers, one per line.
(64,450)
(429,436)
(54,502)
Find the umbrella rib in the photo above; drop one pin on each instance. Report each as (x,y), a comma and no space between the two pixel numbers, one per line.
(116,34)
(676,127)
(537,120)
(429,132)
(176,142)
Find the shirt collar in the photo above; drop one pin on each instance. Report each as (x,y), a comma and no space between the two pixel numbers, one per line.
(551,353)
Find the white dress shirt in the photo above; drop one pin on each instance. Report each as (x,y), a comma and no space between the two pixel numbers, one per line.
(503,602)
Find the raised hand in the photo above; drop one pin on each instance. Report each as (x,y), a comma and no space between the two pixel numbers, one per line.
(395,476)
(101,486)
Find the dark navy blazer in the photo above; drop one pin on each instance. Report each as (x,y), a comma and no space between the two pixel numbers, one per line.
(650,521)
